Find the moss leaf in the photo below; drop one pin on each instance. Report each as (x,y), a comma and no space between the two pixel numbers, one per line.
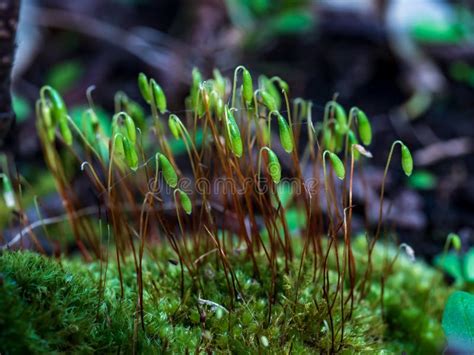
(469,265)
(458,320)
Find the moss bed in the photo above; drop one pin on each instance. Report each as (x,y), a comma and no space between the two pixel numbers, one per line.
(57,305)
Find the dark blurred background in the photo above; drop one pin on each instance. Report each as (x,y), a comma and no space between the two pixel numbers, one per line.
(408,63)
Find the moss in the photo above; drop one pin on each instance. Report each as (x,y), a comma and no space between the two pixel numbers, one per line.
(44,307)
(414,299)
(51,306)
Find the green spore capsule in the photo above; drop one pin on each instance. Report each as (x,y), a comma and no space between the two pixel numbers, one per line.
(265,132)
(247,87)
(455,240)
(65,131)
(284,85)
(234,134)
(51,132)
(341,117)
(122,123)
(130,128)
(48,122)
(337,165)
(174,125)
(92,120)
(219,82)
(58,107)
(269,101)
(90,125)
(365,129)
(407,160)
(131,156)
(274,167)
(270,87)
(185,202)
(46,114)
(8,194)
(201,107)
(118,148)
(159,96)
(328,139)
(219,108)
(169,174)
(338,138)
(197,79)
(137,113)
(144,87)
(213,96)
(217,104)
(286,139)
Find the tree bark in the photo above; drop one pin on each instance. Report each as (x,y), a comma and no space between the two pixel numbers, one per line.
(9,10)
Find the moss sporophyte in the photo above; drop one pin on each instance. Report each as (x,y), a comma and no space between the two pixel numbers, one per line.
(173,261)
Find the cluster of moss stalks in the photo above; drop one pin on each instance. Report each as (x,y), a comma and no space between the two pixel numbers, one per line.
(214,285)
(60,305)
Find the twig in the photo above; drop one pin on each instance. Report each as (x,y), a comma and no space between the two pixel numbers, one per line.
(161,58)
(212,304)
(45,222)
(443,150)
(204,255)
(90,210)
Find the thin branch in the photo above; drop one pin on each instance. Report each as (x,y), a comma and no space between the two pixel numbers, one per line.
(158,58)
(436,152)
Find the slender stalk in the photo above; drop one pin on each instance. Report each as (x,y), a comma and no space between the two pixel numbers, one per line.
(379,224)
(234,85)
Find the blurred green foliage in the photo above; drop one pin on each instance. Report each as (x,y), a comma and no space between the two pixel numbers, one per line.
(64,75)
(77,114)
(462,72)
(460,266)
(262,20)
(459,29)
(422,180)
(458,322)
(22,108)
